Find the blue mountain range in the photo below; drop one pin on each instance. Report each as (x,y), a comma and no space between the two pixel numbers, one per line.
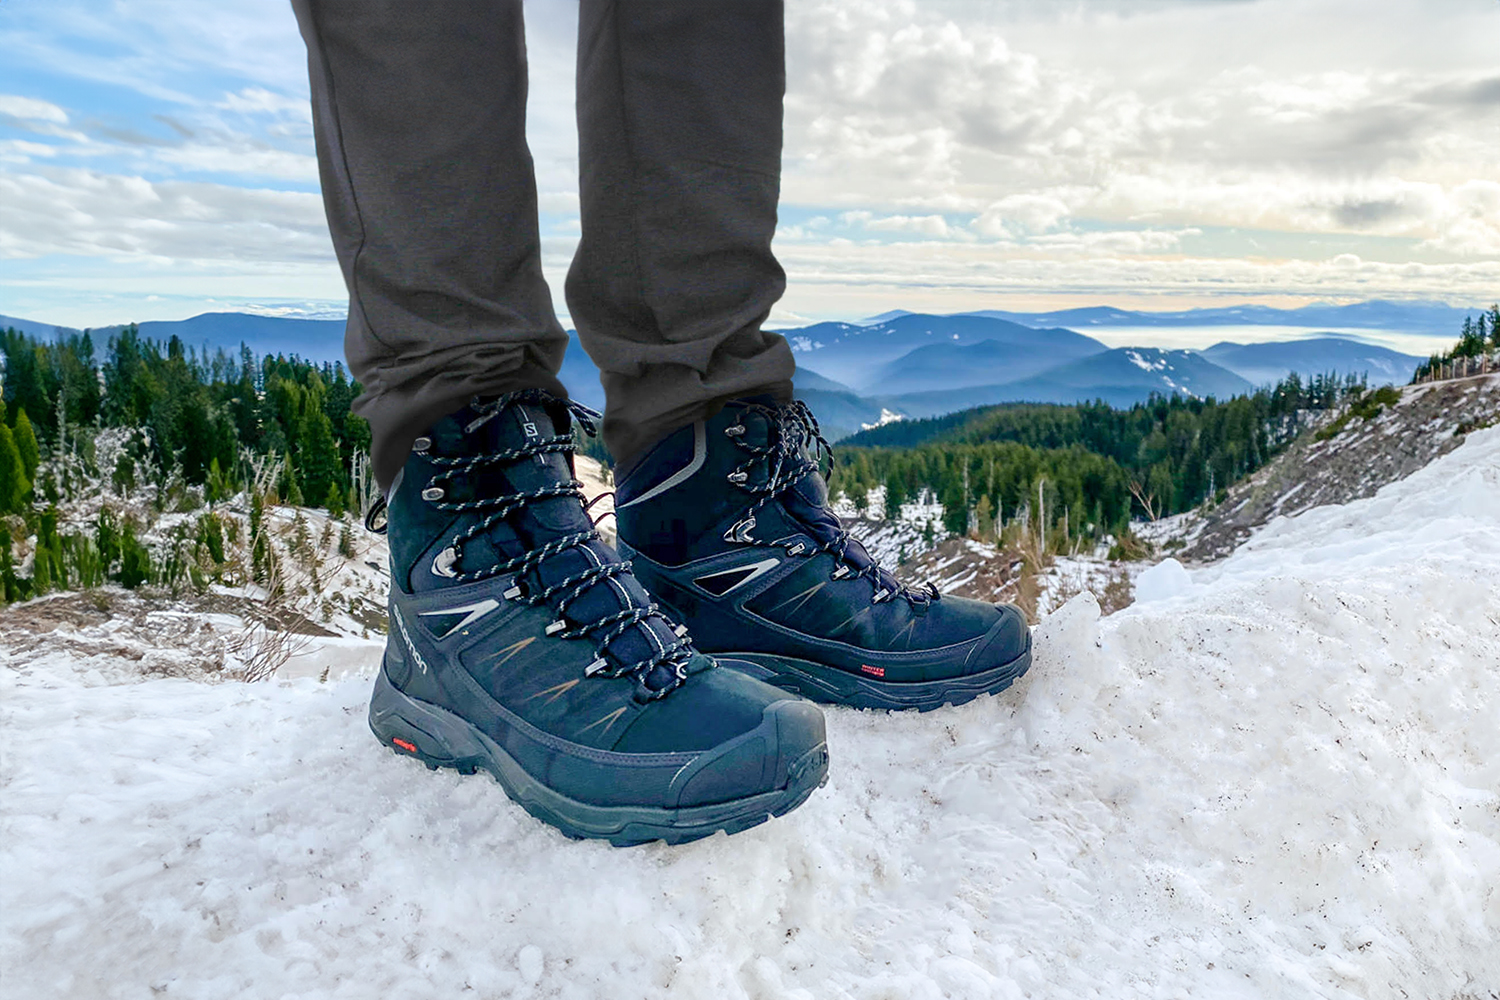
(917,364)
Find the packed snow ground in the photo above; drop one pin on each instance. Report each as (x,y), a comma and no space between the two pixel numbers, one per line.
(1274,777)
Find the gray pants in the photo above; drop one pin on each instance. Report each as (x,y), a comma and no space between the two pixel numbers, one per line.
(419,113)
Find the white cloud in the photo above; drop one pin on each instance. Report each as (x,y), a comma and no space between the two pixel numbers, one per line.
(259,100)
(93,214)
(1019,214)
(31,108)
(1301,117)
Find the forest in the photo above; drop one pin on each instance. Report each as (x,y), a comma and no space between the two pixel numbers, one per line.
(201,416)
(1477,338)
(1089,466)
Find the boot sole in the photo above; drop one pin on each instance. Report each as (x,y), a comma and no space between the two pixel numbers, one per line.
(831,685)
(439,738)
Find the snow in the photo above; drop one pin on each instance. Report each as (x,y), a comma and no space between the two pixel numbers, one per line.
(1162,582)
(1156,365)
(887,416)
(1279,782)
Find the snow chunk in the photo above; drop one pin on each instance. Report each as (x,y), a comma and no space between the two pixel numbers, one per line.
(1162,582)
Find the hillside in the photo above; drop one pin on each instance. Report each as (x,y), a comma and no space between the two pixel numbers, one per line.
(1425,422)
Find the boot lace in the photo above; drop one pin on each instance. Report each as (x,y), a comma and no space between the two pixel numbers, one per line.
(796,447)
(562,594)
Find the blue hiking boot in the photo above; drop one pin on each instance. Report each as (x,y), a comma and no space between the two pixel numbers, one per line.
(727,524)
(521,644)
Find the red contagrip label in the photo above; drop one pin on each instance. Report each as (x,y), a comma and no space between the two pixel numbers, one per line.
(872,671)
(408,747)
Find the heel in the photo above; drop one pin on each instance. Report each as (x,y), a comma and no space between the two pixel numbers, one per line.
(413,728)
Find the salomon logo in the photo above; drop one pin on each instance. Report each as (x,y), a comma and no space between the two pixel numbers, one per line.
(411,647)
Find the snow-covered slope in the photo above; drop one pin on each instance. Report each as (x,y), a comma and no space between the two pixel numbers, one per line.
(1278,778)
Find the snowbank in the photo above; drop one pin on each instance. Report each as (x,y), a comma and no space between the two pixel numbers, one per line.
(1278,779)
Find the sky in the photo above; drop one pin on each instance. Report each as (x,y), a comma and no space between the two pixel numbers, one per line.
(156,156)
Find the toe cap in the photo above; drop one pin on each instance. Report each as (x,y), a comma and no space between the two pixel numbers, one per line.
(1007,640)
(789,743)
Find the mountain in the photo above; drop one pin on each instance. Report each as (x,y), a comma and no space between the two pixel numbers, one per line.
(1270,362)
(955,366)
(580,376)
(806,378)
(884,317)
(859,355)
(316,340)
(1410,317)
(1120,377)
(33,328)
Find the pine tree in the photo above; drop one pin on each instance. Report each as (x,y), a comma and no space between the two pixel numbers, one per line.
(26,444)
(14,483)
(10,586)
(135,561)
(334,502)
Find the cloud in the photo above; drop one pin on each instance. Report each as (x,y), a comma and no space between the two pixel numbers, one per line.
(934,226)
(934,148)
(259,100)
(1191,114)
(92,214)
(31,108)
(1018,214)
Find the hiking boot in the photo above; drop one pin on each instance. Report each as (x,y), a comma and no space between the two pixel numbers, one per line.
(727,524)
(521,644)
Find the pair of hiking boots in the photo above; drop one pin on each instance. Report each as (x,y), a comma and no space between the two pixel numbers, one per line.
(662,696)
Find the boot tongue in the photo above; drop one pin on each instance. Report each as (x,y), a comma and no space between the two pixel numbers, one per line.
(517,426)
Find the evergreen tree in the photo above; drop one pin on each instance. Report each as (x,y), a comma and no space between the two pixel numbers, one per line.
(10,586)
(31,455)
(135,561)
(334,501)
(14,483)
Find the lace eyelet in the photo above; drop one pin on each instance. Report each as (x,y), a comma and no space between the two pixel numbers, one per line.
(738,477)
(421,445)
(433,493)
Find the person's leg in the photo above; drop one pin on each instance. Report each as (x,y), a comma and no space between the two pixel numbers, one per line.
(420,116)
(519,642)
(679,122)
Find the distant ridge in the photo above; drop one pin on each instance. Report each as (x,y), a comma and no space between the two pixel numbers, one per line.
(1377,314)
(1270,362)
(921,364)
